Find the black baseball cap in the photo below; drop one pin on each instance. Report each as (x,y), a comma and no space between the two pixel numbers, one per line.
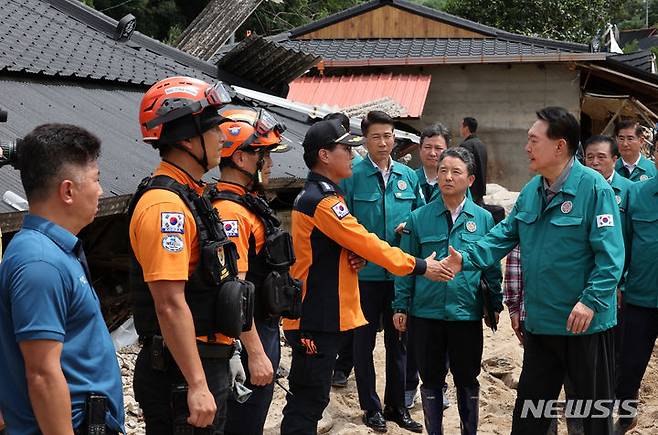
(324,133)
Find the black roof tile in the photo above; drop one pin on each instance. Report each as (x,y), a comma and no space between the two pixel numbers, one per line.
(111,113)
(642,60)
(267,63)
(347,49)
(65,38)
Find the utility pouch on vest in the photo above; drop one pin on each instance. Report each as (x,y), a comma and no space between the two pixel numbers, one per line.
(219,261)
(283,295)
(235,307)
(279,252)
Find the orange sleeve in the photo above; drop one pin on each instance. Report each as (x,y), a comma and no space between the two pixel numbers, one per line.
(162,244)
(334,219)
(238,228)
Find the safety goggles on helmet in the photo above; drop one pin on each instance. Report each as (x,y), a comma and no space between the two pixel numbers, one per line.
(178,107)
(264,131)
(267,123)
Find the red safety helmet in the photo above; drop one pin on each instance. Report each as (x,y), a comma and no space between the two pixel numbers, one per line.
(175,97)
(250,129)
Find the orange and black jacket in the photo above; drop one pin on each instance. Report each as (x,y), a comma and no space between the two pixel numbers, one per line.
(323,232)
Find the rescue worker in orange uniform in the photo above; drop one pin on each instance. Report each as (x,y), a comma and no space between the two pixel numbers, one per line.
(324,234)
(251,224)
(182,372)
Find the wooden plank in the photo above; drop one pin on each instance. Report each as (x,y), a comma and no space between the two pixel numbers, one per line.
(390,22)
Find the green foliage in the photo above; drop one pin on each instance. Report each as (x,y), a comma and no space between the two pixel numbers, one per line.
(571,20)
(631,47)
(174,34)
(631,14)
(160,19)
(654,50)
(272,17)
(574,20)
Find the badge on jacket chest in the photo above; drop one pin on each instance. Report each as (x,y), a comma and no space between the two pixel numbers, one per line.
(566,207)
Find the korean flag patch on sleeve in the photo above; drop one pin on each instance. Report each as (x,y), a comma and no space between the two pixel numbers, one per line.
(231,228)
(340,210)
(171,222)
(604,220)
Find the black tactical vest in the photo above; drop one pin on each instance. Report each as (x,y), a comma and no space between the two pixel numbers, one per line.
(276,292)
(217,267)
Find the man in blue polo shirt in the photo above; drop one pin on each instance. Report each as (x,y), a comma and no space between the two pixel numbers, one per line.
(54,346)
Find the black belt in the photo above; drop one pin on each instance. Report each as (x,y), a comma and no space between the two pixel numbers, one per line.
(215,351)
(206,350)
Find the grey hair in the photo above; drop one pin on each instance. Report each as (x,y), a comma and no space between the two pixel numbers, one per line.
(436,129)
(462,154)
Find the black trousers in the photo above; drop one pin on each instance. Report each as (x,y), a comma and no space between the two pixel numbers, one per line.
(640,333)
(411,379)
(618,331)
(345,360)
(309,380)
(376,300)
(459,341)
(153,392)
(248,418)
(587,360)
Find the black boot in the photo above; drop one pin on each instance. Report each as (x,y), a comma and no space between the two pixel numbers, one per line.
(432,399)
(468,404)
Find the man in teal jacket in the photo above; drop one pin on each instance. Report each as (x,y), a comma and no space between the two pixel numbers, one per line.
(446,318)
(572,253)
(380,194)
(602,154)
(632,165)
(433,141)
(641,293)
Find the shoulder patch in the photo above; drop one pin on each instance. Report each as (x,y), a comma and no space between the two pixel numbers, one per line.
(173,243)
(231,228)
(172,222)
(340,210)
(604,220)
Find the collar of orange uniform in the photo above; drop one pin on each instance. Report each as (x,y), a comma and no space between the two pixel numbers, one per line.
(231,187)
(180,175)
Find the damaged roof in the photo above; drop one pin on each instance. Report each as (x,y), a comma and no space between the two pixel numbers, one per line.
(111,114)
(214,26)
(267,63)
(642,59)
(59,62)
(65,38)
